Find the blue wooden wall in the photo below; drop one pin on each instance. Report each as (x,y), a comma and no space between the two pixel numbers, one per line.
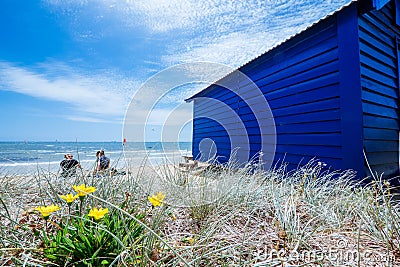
(378,36)
(300,80)
(333,91)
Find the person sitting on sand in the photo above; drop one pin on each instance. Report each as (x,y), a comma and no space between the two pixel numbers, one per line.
(103,163)
(69,165)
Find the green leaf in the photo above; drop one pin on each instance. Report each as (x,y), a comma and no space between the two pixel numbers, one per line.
(69,243)
(85,240)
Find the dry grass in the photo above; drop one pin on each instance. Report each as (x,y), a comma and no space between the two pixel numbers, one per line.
(228,217)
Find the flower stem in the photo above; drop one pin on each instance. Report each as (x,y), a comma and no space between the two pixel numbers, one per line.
(81,206)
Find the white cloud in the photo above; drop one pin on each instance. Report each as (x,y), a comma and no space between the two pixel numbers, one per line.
(233,49)
(222,31)
(101,94)
(249,31)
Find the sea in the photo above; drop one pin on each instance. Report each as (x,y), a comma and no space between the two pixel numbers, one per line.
(24,158)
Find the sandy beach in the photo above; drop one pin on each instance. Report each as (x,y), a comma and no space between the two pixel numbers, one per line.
(262,213)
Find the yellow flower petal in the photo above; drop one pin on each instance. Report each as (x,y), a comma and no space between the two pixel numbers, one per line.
(157,200)
(47,210)
(69,198)
(98,214)
(82,190)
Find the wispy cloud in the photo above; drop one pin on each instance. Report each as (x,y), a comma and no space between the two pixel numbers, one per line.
(238,34)
(99,95)
(222,31)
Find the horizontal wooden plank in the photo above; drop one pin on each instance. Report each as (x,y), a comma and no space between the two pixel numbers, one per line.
(226,114)
(384,158)
(320,83)
(372,85)
(376,43)
(325,68)
(227,142)
(230,117)
(313,151)
(310,139)
(316,106)
(232,129)
(370,24)
(380,134)
(211,109)
(223,118)
(329,79)
(380,123)
(379,66)
(207,123)
(371,28)
(328,115)
(381,146)
(377,110)
(295,108)
(325,82)
(221,140)
(368,49)
(221,149)
(249,92)
(224,95)
(311,127)
(377,76)
(215,107)
(379,99)
(244,110)
(305,98)
(299,67)
(216,131)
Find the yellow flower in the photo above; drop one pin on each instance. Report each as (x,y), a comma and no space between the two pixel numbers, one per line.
(82,190)
(157,200)
(69,198)
(97,214)
(47,210)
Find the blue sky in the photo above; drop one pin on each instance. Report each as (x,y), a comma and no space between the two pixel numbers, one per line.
(69,69)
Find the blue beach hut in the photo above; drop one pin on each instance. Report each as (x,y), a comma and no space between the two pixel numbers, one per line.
(332,89)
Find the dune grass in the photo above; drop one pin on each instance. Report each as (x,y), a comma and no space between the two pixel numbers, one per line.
(217,217)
